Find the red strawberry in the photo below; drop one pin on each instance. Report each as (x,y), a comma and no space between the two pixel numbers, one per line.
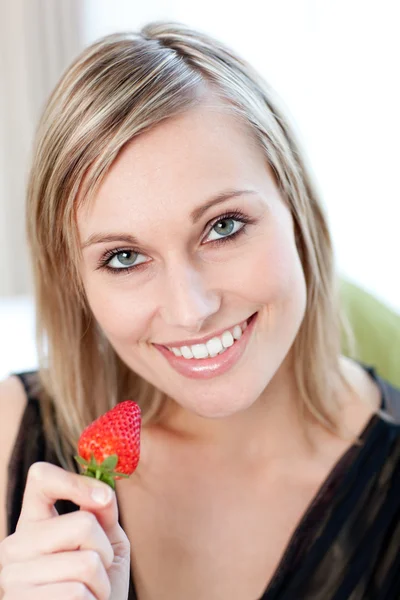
(111,442)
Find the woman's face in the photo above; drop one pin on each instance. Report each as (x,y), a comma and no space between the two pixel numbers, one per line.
(187,238)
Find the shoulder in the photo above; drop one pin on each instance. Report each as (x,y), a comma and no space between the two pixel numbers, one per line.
(376,393)
(23,441)
(390,400)
(13,401)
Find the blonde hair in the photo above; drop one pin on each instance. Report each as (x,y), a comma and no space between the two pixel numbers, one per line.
(117,88)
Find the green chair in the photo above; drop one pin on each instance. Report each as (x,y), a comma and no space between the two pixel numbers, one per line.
(376,330)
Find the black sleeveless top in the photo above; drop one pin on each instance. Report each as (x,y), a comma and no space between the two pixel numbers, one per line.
(347,544)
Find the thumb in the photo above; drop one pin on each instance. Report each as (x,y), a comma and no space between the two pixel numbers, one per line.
(106,509)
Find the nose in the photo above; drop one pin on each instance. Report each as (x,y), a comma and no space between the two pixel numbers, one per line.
(187,303)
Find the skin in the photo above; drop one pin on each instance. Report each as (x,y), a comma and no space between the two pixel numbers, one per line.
(226,476)
(239,431)
(190,287)
(83,554)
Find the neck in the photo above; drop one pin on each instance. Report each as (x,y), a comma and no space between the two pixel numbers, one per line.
(272,426)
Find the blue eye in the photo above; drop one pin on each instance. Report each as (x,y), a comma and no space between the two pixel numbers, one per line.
(225,227)
(126,258)
(122,260)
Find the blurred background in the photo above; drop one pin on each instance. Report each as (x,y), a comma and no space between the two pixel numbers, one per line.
(335,64)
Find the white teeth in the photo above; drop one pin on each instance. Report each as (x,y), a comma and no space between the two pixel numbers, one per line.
(237,332)
(186,352)
(199,351)
(227,339)
(214,346)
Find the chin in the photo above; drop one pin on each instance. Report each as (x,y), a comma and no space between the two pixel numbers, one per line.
(220,408)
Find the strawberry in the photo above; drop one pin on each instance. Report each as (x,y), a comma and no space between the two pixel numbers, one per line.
(109,448)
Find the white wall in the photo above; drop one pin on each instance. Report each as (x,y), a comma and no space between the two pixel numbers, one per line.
(38,38)
(16,128)
(335,63)
(17,341)
(103,17)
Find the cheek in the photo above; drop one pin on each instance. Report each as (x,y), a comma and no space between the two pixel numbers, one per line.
(119,312)
(274,276)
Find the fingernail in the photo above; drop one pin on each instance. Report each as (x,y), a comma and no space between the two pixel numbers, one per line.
(102,495)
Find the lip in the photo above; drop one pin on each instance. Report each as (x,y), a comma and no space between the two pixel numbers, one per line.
(206,368)
(202,340)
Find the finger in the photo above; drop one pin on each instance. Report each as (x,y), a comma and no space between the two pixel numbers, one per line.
(84,567)
(79,530)
(47,483)
(59,591)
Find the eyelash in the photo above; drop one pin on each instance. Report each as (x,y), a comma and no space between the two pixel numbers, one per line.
(236,215)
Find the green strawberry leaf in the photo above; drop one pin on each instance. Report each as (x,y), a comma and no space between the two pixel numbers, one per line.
(109,480)
(81,461)
(110,462)
(102,477)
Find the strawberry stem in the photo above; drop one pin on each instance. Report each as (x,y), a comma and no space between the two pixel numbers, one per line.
(102,471)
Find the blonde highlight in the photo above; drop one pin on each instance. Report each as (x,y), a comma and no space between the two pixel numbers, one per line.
(116,89)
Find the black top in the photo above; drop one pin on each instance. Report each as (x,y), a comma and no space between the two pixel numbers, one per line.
(347,544)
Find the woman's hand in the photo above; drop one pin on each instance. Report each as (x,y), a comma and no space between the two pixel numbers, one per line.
(81,555)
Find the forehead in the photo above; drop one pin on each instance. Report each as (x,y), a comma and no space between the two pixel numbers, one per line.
(177,164)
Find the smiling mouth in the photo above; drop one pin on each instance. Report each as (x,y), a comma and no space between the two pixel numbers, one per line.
(214,346)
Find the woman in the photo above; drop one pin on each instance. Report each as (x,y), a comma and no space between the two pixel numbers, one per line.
(181,258)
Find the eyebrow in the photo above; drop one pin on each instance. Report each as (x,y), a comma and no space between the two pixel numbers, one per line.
(195,215)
